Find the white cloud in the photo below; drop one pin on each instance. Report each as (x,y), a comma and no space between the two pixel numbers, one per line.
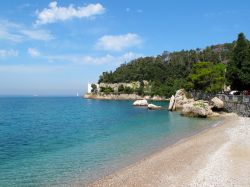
(5,35)
(81,59)
(33,52)
(55,13)
(118,42)
(111,59)
(37,34)
(17,33)
(8,53)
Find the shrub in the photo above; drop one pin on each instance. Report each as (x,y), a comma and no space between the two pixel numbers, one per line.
(121,88)
(128,90)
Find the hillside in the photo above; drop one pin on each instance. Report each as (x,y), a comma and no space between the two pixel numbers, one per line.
(172,70)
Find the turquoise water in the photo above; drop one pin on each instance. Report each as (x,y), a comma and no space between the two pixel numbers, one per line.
(68,140)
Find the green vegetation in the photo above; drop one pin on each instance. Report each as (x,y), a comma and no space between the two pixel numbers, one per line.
(238,69)
(207,77)
(93,88)
(106,90)
(128,90)
(199,69)
(200,104)
(121,89)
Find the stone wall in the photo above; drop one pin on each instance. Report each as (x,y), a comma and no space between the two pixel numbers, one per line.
(236,103)
(233,103)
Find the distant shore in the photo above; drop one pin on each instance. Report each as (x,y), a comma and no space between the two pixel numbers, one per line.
(123,97)
(219,156)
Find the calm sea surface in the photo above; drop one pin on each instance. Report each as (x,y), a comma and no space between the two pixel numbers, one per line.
(66,140)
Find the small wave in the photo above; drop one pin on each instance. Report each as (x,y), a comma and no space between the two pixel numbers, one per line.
(217,123)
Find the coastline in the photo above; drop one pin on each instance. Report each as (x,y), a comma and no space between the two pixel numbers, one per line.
(123,97)
(198,160)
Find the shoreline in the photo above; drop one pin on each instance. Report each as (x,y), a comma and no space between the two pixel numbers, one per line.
(182,163)
(121,97)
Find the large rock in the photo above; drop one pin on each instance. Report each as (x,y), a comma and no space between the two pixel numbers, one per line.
(180,99)
(153,107)
(197,109)
(142,102)
(217,103)
(171,103)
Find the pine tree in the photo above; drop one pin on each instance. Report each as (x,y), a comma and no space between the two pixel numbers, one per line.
(245,71)
(235,75)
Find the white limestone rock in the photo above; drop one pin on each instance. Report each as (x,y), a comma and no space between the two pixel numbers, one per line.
(217,103)
(142,102)
(197,109)
(171,103)
(153,107)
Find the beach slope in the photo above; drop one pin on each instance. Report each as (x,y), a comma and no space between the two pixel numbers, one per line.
(219,156)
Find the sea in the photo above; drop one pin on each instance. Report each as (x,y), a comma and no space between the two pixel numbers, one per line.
(55,141)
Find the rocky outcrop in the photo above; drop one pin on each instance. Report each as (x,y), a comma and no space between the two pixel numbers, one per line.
(180,98)
(121,97)
(177,101)
(197,109)
(190,107)
(113,96)
(217,103)
(142,102)
(171,103)
(154,107)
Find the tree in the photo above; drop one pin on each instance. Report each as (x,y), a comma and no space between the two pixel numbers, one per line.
(140,90)
(207,77)
(93,88)
(238,66)
(128,90)
(245,72)
(106,90)
(121,88)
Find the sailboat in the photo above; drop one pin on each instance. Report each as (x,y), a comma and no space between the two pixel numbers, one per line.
(77,94)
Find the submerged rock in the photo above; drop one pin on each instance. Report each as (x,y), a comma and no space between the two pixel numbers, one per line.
(142,102)
(153,107)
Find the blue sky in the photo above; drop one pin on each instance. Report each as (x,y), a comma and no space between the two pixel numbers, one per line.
(57,47)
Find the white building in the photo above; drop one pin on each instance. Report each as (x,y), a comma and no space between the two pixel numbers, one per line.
(90,88)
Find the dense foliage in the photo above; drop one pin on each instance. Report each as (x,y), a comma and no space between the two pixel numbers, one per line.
(238,69)
(199,69)
(106,90)
(207,77)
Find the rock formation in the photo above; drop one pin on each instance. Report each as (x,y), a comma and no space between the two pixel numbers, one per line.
(217,103)
(142,102)
(177,101)
(154,107)
(171,103)
(102,96)
(197,109)
(190,107)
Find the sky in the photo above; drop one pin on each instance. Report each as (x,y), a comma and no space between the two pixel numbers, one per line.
(57,47)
